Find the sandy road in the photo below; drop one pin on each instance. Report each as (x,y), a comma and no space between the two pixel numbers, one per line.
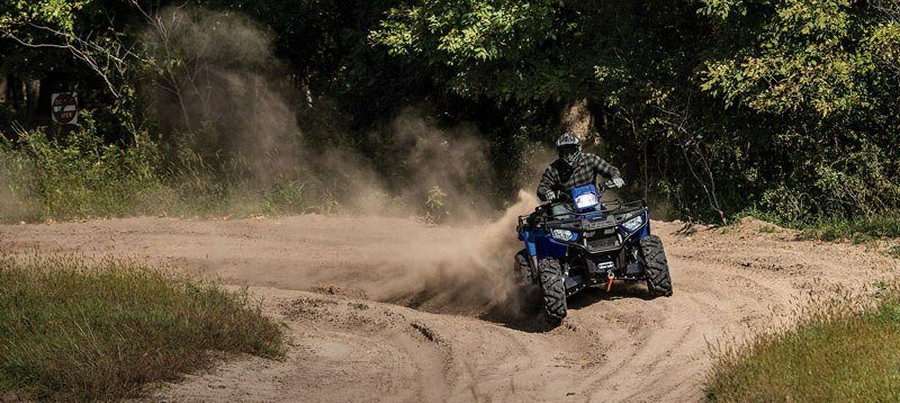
(391,309)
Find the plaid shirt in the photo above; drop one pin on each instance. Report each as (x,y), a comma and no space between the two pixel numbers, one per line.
(561,178)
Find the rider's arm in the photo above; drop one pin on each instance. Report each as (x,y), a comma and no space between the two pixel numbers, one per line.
(548,182)
(604,168)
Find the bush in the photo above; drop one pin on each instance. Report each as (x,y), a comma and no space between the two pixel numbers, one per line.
(72,331)
(859,229)
(76,175)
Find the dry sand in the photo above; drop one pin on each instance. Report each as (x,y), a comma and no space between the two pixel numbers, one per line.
(392,309)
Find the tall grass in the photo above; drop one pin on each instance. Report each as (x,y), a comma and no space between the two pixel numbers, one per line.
(858,229)
(72,331)
(882,225)
(838,352)
(75,175)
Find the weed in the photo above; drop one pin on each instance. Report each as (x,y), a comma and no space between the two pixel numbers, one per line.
(894,251)
(860,229)
(436,205)
(71,331)
(75,175)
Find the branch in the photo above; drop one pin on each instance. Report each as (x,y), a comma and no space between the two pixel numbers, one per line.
(86,50)
(82,54)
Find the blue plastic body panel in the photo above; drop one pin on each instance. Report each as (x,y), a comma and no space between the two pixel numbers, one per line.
(540,243)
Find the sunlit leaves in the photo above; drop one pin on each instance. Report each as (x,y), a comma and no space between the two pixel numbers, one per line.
(485,44)
(807,57)
(56,14)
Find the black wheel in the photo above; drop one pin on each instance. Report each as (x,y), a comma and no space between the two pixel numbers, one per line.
(553,289)
(523,268)
(659,282)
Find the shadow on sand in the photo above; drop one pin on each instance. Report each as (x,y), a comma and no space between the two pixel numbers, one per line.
(532,320)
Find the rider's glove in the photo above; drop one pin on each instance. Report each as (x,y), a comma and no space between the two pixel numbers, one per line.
(550,196)
(619,182)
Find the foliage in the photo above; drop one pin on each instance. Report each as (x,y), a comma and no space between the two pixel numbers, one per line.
(860,229)
(788,105)
(488,48)
(709,108)
(436,205)
(894,251)
(74,331)
(836,353)
(77,175)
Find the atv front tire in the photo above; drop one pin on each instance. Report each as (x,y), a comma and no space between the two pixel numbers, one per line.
(658,280)
(553,289)
(523,268)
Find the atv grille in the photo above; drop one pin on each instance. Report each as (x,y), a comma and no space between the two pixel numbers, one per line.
(603,242)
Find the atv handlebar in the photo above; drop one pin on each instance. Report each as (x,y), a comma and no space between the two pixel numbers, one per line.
(563,197)
(608,185)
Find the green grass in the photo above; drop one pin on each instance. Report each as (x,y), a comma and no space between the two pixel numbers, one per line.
(864,228)
(834,354)
(894,251)
(77,176)
(73,331)
(858,230)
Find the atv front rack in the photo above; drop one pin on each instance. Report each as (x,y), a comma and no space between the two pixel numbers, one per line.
(611,212)
(619,207)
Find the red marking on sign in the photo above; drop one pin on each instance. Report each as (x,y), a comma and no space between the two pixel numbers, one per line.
(65,108)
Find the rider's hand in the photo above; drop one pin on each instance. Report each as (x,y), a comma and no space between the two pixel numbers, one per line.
(551,196)
(619,182)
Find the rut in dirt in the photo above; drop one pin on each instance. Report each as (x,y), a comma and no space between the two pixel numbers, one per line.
(337,281)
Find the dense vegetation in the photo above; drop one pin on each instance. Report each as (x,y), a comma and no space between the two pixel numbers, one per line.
(789,108)
(835,353)
(76,331)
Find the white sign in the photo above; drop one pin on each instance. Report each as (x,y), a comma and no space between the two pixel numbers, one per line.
(65,107)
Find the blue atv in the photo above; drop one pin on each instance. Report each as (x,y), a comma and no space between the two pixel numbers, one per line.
(581,241)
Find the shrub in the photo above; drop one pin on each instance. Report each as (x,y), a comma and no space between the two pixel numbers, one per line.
(75,175)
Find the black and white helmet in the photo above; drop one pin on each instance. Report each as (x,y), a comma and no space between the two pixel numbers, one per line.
(569,148)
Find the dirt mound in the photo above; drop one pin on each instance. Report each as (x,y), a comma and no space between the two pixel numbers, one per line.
(384,307)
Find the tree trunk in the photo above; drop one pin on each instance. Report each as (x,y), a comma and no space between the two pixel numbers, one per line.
(32,95)
(3,88)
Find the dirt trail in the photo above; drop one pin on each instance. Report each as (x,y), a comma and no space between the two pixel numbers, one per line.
(391,309)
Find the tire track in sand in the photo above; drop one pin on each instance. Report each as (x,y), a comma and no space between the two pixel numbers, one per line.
(334,282)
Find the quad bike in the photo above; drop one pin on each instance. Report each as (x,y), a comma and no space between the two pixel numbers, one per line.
(581,242)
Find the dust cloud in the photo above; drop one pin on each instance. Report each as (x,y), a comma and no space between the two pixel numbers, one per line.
(13,204)
(474,275)
(224,101)
(221,90)
(220,96)
(443,174)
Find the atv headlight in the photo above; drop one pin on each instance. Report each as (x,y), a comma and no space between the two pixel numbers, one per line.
(634,223)
(563,235)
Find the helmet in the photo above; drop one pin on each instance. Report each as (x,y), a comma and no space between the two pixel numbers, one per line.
(569,148)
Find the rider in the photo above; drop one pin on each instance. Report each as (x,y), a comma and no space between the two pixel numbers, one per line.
(573,169)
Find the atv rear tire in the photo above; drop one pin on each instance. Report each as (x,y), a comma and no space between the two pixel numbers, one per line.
(659,282)
(553,289)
